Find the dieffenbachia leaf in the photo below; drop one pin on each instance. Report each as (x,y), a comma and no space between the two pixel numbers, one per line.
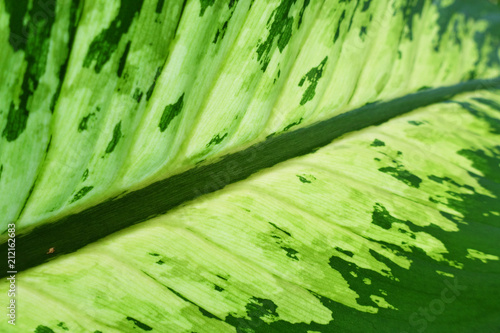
(114,112)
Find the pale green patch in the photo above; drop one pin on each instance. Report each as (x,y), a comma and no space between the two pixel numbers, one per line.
(445,273)
(478,255)
(381,302)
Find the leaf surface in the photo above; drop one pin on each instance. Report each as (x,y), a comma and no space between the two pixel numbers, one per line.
(121,111)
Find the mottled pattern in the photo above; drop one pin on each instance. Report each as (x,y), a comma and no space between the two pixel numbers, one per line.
(394,226)
(327,232)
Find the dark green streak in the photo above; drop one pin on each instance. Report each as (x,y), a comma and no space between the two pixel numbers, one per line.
(142,326)
(18,34)
(302,10)
(170,112)
(287,127)
(280,29)
(35,41)
(137,95)
(152,87)
(219,35)
(106,43)
(312,77)
(377,143)
(81,193)
(74,19)
(304,180)
(283,231)
(117,134)
(290,253)
(85,175)
(159,6)
(123,60)
(43,329)
(204,4)
(347,253)
(217,139)
(337,33)
(402,175)
(63,326)
(75,231)
(82,126)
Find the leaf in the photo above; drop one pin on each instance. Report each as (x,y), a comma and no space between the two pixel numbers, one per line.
(390,226)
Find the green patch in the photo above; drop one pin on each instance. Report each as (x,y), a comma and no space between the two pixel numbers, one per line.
(16,123)
(219,35)
(81,193)
(63,326)
(377,143)
(442,180)
(74,19)
(85,175)
(170,112)
(298,122)
(216,140)
(30,33)
(159,6)
(203,311)
(117,134)
(347,253)
(355,277)
(312,77)
(137,323)
(362,33)
(43,329)
(106,43)
(280,28)
(160,262)
(366,5)
(123,60)
(382,218)
(232,3)
(400,173)
(290,253)
(304,179)
(411,10)
(259,312)
(484,162)
(83,125)
(337,33)
(415,122)
(204,4)
(493,123)
(283,231)
(302,10)
(403,175)
(137,95)
(153,84)
(216,287)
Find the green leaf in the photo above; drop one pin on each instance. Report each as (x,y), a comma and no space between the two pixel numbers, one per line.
(297,166)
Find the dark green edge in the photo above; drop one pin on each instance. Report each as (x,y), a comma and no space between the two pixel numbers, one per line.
(72,232)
